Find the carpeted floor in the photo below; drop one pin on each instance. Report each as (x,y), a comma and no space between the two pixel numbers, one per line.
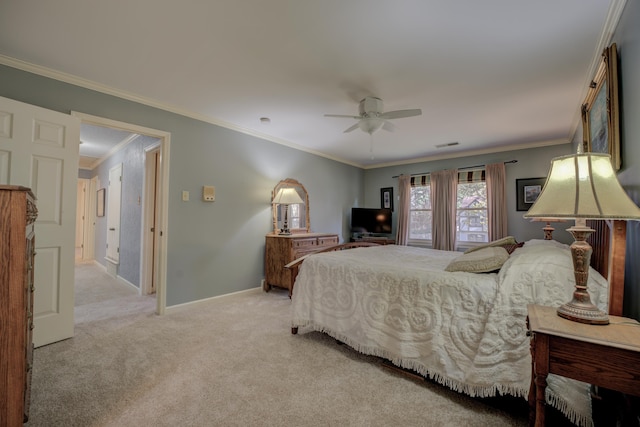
(230,361)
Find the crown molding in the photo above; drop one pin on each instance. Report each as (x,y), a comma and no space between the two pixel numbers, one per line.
(108,90)
(469,153)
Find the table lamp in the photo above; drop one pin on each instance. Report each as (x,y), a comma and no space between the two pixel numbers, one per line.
(286,196)
(581,187)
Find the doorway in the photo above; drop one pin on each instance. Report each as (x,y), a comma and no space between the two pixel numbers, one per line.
(154,207)
(82,218)
(150,237)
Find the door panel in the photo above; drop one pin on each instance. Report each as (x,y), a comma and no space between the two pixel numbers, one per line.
(5,156)
(47,303)
(39,150)
(47,184)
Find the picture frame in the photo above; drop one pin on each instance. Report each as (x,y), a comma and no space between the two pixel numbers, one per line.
(600,111)
(386,198)
(100,202)
(527,191)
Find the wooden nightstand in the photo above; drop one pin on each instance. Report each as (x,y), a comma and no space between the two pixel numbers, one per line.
(607,356)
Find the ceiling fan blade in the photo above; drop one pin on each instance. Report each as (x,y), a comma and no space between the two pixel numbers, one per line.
(388,126)
(398,114)
(343,116)
(352,128)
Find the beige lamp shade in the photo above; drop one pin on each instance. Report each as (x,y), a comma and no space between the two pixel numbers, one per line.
(287,196)
(583,186)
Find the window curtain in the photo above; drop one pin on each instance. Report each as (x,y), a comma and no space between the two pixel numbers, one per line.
(496,200)
(444,191)
(404,208)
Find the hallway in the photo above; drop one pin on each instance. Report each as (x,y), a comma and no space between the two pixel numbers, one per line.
(99,296)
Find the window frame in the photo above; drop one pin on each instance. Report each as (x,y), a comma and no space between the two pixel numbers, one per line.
(459,244)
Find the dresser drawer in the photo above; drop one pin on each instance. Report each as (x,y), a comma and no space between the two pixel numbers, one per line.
(327,241)
(305,243)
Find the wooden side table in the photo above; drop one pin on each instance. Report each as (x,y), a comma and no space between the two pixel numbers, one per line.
(607,356)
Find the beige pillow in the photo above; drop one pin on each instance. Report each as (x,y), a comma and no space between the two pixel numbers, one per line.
(509,240)
(481,261)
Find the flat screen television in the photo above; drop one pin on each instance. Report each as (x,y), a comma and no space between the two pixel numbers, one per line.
(370,221)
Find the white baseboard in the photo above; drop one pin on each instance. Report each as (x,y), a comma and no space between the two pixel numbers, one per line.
(126,282)
(191,304)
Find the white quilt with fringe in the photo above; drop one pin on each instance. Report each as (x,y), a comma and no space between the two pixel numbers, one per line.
(464,330)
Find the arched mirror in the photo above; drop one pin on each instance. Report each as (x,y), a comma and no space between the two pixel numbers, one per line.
(296,215)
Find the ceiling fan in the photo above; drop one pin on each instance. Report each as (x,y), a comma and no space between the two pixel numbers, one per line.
(372,116)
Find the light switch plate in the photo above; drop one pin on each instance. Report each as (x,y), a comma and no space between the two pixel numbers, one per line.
(209,193)
(185,196)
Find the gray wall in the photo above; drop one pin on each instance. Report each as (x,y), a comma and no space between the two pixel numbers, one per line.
(212,248)
(532,163)
(132,157)
(627,37)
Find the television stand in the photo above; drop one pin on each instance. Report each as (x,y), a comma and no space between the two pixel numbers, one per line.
(380,240)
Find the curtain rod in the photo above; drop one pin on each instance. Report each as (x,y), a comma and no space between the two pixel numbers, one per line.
(466,167)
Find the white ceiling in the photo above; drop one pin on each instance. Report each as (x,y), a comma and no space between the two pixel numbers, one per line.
(487,74)
(99,142)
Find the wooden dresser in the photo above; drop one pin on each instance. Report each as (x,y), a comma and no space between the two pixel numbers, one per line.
(17,216)
(282,249)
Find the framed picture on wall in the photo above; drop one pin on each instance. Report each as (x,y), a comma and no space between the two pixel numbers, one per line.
(386,198)
(100,202)
(600,115)
(527,191)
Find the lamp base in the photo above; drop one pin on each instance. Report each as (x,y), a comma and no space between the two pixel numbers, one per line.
(583,313)
(580,308)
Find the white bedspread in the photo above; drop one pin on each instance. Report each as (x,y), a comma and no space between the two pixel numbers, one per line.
(464,330)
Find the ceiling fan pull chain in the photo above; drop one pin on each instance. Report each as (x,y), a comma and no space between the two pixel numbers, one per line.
(371,146)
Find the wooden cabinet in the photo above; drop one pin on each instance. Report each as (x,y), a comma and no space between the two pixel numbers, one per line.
(17,216)
(282,249)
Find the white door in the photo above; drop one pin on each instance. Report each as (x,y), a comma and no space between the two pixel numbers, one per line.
(39,150)
(113,214)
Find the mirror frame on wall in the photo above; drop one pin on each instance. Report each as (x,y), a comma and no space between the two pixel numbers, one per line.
(291,183)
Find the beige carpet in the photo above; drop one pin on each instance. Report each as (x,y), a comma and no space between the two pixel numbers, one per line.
(228,362)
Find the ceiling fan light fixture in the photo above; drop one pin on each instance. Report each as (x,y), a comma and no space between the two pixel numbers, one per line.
(373,117)
(370,125)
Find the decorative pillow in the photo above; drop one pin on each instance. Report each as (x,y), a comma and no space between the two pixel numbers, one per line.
(509,240)
(482,260)
(512,247)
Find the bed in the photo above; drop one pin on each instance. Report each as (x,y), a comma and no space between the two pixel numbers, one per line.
(464,330)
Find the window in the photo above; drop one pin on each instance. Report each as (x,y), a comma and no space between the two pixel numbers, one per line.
(420,214)
(471,213)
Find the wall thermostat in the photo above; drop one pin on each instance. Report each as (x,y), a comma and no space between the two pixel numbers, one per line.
(209,193)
